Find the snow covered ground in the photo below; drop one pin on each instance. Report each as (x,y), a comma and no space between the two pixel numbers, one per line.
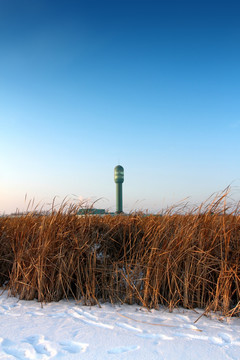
(67,330)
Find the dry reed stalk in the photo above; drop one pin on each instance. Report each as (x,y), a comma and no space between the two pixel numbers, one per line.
(189,259)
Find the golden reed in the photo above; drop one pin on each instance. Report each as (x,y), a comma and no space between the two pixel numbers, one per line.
(188,259)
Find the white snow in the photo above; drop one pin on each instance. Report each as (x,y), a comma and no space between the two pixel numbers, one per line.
(68,330)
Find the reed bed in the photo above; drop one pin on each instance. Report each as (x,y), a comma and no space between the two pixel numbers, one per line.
(190,260)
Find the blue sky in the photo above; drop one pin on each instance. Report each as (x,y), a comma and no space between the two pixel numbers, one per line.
(152,85)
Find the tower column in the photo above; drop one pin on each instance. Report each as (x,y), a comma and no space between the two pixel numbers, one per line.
(119,178)
(119,205)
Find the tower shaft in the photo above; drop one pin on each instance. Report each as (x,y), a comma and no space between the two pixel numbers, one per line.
(119,179)
(119,205)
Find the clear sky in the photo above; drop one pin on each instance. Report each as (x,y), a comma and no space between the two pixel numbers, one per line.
(151,85)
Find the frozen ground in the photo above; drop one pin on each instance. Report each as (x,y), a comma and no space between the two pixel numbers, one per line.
(67,330)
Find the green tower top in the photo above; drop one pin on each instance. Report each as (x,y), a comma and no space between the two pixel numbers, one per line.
(118,174)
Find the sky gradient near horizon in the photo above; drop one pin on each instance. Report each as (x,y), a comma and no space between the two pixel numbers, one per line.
(86,85)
